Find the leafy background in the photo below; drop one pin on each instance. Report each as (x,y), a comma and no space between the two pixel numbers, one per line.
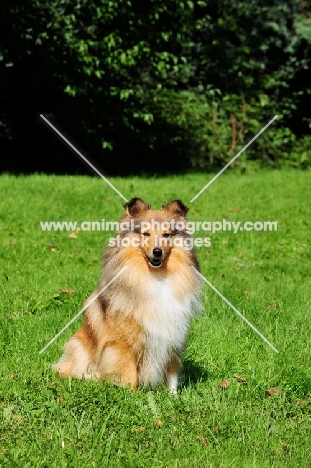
(163,86)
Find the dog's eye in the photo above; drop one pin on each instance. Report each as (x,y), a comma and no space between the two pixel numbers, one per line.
(146,234)
(166,234)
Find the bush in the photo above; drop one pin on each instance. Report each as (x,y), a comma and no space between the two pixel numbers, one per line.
(164,85)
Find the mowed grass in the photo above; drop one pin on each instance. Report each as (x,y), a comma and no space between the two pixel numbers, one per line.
(49,422)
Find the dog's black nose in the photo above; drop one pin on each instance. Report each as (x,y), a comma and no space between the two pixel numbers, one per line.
(157,252)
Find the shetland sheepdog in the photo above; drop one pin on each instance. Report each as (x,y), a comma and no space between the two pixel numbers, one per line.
(135,331)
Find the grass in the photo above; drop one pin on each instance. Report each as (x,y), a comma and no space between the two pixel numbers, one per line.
(48,422)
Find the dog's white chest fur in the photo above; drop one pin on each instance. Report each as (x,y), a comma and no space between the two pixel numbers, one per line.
(166,322)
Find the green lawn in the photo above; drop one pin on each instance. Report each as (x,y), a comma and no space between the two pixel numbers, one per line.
(48,422)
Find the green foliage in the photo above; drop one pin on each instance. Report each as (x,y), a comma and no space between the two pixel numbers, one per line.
(194,80)
(247,56)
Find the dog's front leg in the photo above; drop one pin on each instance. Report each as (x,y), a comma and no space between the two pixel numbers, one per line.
(171,374)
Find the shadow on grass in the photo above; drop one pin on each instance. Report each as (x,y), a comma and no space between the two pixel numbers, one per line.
(192,373)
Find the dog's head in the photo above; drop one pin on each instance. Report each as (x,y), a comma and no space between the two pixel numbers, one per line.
(155,231)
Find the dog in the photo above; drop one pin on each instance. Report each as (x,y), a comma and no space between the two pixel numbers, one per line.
(135,331)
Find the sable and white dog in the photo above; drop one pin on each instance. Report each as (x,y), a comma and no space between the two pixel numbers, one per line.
(135,331)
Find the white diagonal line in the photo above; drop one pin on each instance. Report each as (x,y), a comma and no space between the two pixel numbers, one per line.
(233,159)
(236,310)
(82,310)
(84,158)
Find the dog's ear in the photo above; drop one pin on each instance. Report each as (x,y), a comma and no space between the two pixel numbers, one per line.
(176,209)
(136,207)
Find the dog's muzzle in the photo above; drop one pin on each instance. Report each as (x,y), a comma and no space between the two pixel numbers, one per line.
(157,258)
